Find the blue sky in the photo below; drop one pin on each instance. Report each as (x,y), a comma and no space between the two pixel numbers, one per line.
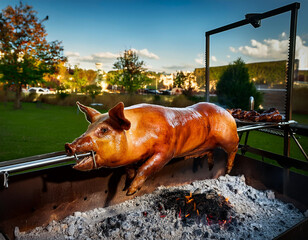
(168,35)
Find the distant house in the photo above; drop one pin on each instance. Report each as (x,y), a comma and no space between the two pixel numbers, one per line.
(167,80)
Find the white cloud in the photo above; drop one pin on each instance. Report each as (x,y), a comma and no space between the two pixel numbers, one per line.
(108,56)
(228,56)
(99,57)
(301,53)
(199,59)
(232,49)
(214,59)
(275,49)
(179,67)
(72,54)
(283,35)
(145,53)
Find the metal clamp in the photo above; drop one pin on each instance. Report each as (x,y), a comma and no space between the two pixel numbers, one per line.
(5,179)
(94,162)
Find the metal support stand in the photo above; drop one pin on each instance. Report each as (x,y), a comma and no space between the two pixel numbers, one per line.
(255,21)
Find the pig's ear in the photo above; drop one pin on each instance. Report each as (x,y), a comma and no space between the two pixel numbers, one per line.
(91,113)
(117,113)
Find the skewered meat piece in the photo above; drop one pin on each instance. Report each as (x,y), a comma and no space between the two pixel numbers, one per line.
(234,111)
(270,115)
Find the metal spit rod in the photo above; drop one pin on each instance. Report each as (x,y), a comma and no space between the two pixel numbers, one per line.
(18,167)
(41,163)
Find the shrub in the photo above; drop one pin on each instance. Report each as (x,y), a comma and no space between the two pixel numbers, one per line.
(234,87)
(93,90)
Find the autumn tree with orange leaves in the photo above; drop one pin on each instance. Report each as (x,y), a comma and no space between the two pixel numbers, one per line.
(25,54)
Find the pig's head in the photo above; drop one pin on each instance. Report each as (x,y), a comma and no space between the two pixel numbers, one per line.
(105,137)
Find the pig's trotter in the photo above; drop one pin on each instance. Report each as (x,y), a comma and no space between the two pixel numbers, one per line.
(151,166)
(210,160)
(231,157)
(130,174)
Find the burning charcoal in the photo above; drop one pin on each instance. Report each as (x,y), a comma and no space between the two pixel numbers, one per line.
(230,229)
(127,235)
(49,228)
(291,207)
(125,226)
(176,225)
(71,230)
(230,187)
(281,222)
(197,191)
(215,228)
(256,226)
(185,236)
(197,233)
(262,219)
(77,214)
(206,235)
(234,222)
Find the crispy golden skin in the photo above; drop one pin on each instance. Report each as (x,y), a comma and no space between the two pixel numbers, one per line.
(146,137)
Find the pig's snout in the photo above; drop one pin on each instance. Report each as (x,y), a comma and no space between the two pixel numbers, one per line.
(69,149)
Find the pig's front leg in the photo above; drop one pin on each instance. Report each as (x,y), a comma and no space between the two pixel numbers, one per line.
(151,166)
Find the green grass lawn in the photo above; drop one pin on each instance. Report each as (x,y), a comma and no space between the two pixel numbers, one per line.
(37,129)
(300,118)
(274,144)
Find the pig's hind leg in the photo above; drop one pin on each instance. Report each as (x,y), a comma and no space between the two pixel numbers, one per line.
(231,156)
(149,167)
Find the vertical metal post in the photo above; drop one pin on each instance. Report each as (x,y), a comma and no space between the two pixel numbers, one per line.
(290,78)
(207,67)
(289,85)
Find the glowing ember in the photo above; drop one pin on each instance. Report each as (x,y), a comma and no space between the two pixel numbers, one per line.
(209,206)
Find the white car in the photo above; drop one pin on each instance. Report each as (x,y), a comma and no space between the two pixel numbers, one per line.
(38,90)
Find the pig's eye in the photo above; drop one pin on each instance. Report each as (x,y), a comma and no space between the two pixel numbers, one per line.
(104,130)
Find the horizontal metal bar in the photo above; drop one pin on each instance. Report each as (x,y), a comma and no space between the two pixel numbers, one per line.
(31,158)
(256,126)
(227,27)
(260,16)
(39,163)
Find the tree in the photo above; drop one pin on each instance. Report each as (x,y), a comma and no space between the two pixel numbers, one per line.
(25,53)
(79,79)
(130,72)
(180,79)
(234,87)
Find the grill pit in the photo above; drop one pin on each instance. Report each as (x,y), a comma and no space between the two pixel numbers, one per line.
(228,209)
